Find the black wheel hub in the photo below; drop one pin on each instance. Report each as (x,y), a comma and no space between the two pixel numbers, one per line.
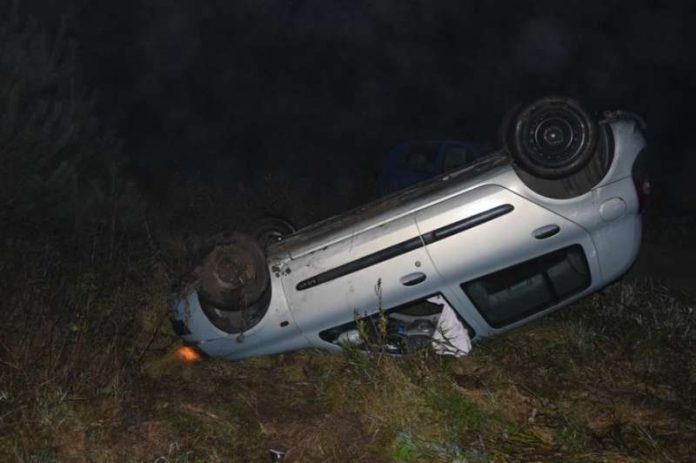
(555,138)
(552,138)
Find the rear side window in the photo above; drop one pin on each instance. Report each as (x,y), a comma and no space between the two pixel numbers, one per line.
(522,290)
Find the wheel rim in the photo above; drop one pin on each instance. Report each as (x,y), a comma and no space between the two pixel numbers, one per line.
(555,137)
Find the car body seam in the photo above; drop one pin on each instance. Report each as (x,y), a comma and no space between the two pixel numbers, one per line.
(405,246)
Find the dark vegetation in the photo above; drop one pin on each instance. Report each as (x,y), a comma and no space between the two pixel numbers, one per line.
(88,370)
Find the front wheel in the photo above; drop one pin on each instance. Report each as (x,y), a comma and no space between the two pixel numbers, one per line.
(552,138)
(233,275)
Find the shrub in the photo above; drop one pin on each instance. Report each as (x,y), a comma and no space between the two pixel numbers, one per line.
(58,166)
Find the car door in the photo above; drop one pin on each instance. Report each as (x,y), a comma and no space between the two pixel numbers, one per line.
(487,244)
(381,267)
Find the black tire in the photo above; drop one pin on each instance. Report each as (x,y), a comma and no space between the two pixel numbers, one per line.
(233,275)
(268,230)
(552,138)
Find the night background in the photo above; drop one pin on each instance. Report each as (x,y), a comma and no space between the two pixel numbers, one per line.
(318,90)
(132,131)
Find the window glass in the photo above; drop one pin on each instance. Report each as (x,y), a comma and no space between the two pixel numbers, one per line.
(519,291)
(569,272)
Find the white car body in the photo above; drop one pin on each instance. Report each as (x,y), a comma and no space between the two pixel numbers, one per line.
(461,234)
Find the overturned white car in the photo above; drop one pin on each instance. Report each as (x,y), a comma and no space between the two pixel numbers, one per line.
(551,217)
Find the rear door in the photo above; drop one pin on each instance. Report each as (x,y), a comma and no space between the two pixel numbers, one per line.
(480,241)
(379,268)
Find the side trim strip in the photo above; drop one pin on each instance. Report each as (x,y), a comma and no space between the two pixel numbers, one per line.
(466,224)
(359,264)
(404,247)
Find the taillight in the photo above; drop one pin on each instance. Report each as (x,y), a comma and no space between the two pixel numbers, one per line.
(643,189)
(641,180)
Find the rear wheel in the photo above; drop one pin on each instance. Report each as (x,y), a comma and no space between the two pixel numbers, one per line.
(553,137)
(268,230)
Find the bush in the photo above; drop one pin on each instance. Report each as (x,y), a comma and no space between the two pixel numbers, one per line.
(59,168)
(82,285)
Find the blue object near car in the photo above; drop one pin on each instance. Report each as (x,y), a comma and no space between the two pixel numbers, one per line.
(409,163)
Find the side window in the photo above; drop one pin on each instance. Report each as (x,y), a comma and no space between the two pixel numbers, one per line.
(404,328)
(422,157)
(455,157)
(519,291)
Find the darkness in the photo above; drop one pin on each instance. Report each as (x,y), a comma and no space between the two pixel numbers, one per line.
(140,140)
(234,89)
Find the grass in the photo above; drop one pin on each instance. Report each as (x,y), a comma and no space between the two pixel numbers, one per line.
(89,373)
(611,379)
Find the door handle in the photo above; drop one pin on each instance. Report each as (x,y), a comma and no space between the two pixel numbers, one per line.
(546,231)
(413,279)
